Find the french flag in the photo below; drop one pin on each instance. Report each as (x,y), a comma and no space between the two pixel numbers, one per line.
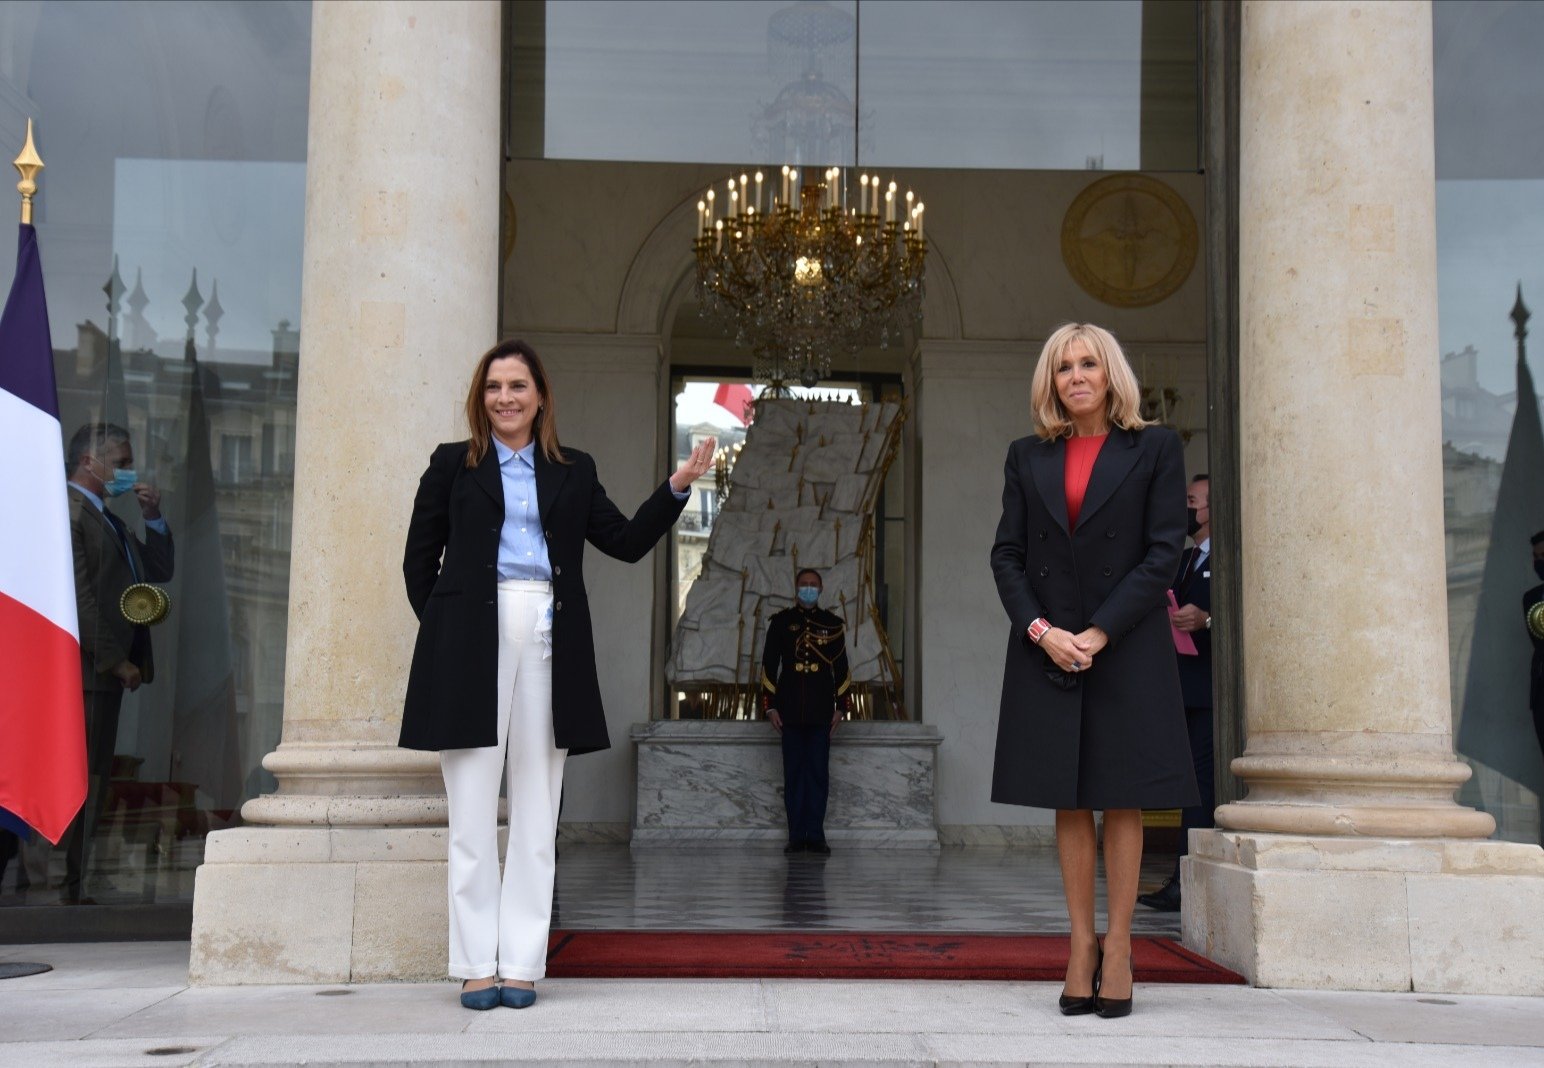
(42,712)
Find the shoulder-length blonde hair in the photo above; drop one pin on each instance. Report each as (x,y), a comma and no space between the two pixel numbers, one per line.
(1123,403)
(545,428)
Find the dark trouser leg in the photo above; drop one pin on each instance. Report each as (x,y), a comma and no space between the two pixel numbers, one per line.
(818,763)
(1199,723)
(1538,729)
(793,782)
(102,707)
(10,845)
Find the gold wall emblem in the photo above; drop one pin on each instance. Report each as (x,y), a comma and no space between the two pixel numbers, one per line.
(508,226)
(1536,621)
(1129,240)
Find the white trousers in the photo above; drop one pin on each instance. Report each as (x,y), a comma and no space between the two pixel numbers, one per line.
(496,927)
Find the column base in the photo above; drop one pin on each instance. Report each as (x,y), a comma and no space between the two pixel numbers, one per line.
(1330,913)
(320,905)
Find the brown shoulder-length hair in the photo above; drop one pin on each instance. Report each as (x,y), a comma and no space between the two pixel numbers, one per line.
(545,428)
(1123,403)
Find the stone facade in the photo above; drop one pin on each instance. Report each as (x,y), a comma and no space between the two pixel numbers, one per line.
(1348,864)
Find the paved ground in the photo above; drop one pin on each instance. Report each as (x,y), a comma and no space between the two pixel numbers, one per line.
(122,1004)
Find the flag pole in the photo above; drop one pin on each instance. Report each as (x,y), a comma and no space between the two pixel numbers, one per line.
(27,165)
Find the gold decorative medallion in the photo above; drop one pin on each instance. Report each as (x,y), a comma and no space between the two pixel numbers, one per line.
(508,225)
(144,605)
(1536,621)
(1129,240)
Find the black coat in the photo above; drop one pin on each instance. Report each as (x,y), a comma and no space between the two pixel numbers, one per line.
(1195,672)
(1117,739)
(450,566)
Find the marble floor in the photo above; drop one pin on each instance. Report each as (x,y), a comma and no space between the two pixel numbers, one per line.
(610,887)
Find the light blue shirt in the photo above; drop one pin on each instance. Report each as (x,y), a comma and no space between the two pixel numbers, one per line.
(522,545)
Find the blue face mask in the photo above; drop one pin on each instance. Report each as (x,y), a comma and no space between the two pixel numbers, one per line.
(809,595)
(122,481)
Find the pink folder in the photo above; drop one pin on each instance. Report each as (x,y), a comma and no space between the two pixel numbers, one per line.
(1184,644)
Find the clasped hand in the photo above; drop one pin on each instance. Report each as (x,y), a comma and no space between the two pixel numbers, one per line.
(1073,652)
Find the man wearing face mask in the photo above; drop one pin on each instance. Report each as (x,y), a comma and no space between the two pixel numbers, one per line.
(115,654)
(805,684)
(1535,621)
(1193,592)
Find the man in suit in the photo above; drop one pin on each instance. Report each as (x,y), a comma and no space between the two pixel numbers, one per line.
(1193,592)
(115,654)
(806,685)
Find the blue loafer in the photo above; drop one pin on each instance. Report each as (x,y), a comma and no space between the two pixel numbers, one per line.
(516,997)
(486,998)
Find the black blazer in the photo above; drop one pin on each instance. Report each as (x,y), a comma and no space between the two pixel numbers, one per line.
(450,567)
(1117,738)
(1195,672)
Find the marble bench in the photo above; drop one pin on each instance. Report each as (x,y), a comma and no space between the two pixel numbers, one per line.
(705,781)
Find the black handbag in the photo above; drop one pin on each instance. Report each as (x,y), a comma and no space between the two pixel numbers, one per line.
(1062,680)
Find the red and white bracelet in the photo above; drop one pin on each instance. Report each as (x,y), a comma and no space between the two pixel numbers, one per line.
(1037,629)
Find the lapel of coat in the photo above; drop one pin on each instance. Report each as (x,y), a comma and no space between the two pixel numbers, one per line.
(486,475)
(1115,462)
(549,482)
(108,542)
(1047,461)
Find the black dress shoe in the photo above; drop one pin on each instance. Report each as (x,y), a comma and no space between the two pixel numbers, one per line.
(1071,1006)
(819,847)
(795,847)
(1163,899)
(1113,1008)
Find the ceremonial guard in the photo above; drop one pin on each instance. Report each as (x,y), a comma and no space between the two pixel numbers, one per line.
(806,688)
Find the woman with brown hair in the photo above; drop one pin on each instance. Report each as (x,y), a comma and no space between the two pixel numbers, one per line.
(1091,718)
(503,677)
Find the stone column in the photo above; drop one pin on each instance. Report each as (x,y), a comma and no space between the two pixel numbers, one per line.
(340,874)
(1348,864)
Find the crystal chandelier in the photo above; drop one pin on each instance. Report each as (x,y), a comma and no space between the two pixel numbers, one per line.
(798,283)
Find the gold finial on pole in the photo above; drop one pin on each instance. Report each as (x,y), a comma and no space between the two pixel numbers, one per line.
(27,165)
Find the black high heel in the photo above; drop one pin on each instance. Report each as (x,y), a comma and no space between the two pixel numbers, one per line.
(1071,1006)
(1114,1008)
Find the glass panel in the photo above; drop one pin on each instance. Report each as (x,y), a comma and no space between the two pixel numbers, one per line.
(1490,236)
(170,223)
(1049,86)
(704,407)
(967,83)
(683,81)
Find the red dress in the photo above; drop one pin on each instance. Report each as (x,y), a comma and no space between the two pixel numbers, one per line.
(1079,465)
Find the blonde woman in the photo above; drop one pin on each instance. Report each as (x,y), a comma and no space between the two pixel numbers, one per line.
(1091,717)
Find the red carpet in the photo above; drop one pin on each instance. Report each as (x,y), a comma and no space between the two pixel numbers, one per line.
(849,955)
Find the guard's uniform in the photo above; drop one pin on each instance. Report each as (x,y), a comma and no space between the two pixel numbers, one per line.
(804,676)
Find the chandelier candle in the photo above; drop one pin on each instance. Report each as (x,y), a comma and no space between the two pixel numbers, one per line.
(810,277)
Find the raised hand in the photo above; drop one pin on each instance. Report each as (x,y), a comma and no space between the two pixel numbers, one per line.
(694,466)
(149,500)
